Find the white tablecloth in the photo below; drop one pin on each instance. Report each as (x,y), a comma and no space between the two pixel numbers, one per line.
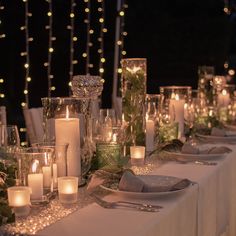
(208,208)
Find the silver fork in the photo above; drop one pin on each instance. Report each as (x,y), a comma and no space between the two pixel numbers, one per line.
(207,163)
(127,205)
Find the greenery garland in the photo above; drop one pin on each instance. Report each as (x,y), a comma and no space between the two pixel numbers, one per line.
(7,179)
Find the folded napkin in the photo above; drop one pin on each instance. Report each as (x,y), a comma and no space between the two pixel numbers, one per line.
(219,150)
(218,132)
(187,148)
(131,183)
(191,149)
(104,176)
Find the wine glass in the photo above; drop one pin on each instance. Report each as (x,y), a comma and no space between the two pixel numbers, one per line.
(9,141)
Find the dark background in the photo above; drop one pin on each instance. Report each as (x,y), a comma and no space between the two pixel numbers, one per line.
(175,36)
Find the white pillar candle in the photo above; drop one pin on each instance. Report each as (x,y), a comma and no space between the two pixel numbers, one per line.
(47,176)
(19,199)
(54,171)
(150,132)
(68,189)
(68,131)
(35,182)
(223,98)
(176,107)
(137,154)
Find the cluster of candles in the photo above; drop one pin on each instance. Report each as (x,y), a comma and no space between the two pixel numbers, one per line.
(19,197)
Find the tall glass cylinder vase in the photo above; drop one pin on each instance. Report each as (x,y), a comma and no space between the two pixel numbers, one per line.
(174,101)
(205,89)
(133,100)
(68,120)
(152,114)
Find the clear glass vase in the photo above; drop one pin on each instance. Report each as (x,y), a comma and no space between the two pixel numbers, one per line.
(175,101)
(205,80)
(68,120)
(152,115)
(133,100)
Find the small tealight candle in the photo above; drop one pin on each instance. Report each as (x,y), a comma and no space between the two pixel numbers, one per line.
(137,154)
(68,189)
(19,199)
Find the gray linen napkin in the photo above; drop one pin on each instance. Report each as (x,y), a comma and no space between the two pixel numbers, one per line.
(218,132)
(131,183)
(187,148)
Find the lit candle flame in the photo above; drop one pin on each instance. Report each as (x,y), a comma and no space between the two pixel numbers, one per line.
(134,69)
(175,96)
(35,166)
(224,92)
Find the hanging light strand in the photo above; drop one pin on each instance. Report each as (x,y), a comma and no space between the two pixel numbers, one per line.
(89,32)
(50,48)
(2,37)
(26,54)
(101,10)
(2,34)
(72,40)
(119,49)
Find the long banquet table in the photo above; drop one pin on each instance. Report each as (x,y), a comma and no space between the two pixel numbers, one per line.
(208,208)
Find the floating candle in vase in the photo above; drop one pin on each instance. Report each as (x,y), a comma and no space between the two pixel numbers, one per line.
(67,130)
(68,189)
(137,154)
(176,107)
(19,199)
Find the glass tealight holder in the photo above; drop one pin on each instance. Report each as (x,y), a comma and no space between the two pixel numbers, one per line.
(35,171)
(109,153)
(173,102)
(137,155)
(59,159)
(19,200)
(68,189)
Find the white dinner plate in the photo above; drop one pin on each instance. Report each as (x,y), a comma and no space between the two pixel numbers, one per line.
(153,180)
(231,127)
(223,139)
(195,157)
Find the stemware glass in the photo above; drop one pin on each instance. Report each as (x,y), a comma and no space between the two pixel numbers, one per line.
(9,142)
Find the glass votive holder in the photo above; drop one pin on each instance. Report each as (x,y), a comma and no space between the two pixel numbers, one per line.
(108,153)
(59,159)
(19,200)
(35,171)
(137,155)
(173,101)
(68,189)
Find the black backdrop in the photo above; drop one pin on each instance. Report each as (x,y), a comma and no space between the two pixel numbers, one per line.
(175,36)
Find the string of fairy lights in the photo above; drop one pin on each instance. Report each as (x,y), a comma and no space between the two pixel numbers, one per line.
(73,39)
(25,54)
(119,50)
(2,37)
(101,19)
(123,34)
(227,10)
(90,31)
(48,64)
